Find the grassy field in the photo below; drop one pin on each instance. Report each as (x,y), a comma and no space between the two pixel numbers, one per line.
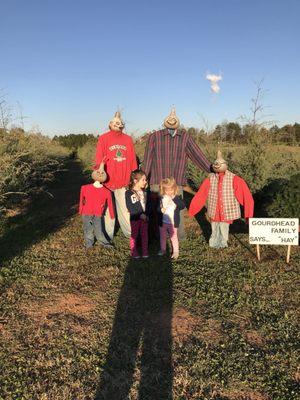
(77,324)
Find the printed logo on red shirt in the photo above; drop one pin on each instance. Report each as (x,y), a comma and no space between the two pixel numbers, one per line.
(119,155)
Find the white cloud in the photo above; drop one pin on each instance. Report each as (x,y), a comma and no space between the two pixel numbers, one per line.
(214,79)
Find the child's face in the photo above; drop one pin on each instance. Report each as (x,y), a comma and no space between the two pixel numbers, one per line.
(141,184)
(169,191)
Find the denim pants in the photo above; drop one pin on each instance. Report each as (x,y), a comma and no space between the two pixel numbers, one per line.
(93,227)
(219,235)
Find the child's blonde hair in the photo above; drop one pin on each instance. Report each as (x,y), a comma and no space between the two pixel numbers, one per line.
(168,182)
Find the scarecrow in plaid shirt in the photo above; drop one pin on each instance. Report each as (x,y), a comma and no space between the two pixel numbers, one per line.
(166,156)
(224,192)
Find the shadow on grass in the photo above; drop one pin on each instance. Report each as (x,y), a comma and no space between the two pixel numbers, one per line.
(45,214)
(140,346)
(200,217)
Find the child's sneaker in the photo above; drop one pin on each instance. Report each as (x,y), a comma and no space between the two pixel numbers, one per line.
(175,256)
(136,257)
(146,256)
(161,253)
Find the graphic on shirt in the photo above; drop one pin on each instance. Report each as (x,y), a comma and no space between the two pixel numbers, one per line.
(119,156)
(134,199)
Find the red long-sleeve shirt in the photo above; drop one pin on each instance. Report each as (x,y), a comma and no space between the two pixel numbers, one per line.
(241,193)
(120,159)
(93,201)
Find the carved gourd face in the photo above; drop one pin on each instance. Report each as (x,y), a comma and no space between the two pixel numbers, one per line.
(99,174)
(219,167)
(220,164)
(116,124)
(172,121)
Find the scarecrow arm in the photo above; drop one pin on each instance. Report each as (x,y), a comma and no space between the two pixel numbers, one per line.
(133,156)
(110,206)
(148,156)
(82,200)
(200,198)
(99,153)
(243,196)
(194,152)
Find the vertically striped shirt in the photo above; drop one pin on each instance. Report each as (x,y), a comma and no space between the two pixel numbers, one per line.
(166,156)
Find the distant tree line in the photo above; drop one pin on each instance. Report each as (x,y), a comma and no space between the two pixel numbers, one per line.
(233,132)
(74,142)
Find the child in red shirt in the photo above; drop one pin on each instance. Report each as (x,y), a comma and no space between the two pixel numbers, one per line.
(94,200)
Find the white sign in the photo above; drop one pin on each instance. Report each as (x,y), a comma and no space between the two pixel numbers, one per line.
(274,231)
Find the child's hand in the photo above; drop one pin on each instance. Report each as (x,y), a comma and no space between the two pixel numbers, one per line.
(163,210)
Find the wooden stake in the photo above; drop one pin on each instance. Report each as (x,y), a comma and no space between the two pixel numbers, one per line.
(258,252)
(288,253)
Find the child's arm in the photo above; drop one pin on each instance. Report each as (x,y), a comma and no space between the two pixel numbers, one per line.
(160,206)
(180,204)
(131,207)
(149,206)
(199,199)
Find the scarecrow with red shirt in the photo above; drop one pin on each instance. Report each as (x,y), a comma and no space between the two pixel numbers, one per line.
(223,191)
(95,199)
(120,159)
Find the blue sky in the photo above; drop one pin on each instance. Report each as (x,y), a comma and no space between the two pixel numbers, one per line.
(71,64)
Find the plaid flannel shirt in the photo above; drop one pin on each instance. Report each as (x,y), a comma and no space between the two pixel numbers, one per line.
(166,156)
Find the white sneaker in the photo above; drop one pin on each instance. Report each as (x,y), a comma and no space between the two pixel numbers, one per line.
(145,256)
(160,253)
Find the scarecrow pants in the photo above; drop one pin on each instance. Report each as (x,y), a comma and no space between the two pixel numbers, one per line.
(93,227)
(122,215)
(219,235)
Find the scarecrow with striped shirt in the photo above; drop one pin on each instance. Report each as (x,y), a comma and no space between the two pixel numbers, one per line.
(166,155)
(224,192)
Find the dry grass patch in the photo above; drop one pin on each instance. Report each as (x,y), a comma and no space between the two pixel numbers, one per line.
(254,338)
(66,303)
(211,332)
(183,324)
(247,394)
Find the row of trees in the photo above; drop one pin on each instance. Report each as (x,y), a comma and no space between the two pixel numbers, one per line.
(233,132)
(72,141)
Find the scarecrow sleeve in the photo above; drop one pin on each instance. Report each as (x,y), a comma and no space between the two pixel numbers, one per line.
(196,155)
(200,198)
(148,156)
(81,200)
(243,196)
(133,156)
(110,205)
(99,153)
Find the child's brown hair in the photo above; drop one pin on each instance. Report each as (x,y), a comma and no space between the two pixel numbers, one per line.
(136,174)
(168,182)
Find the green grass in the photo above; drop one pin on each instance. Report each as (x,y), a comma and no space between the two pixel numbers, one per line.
(77,324)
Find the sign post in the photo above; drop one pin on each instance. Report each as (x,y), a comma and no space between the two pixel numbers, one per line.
(280,231)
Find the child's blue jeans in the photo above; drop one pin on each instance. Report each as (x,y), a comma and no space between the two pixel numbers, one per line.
(93,227)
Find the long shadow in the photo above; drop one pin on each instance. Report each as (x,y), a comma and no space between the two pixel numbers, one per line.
(200,217)
(141,334)
(45,214)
